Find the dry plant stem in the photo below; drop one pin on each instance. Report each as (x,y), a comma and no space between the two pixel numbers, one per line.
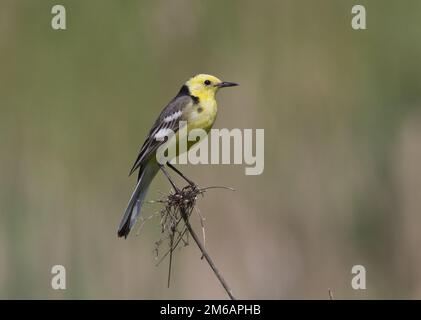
(170,266)
(330,295)
(202,223)
(184,212)
(180,237)
(205,254)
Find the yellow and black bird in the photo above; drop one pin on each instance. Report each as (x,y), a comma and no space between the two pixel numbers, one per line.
(194,105)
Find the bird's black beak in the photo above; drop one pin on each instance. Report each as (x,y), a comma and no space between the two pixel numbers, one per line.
(226,84)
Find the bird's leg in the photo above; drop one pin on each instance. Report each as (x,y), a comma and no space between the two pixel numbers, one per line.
(191,183)
(168,177)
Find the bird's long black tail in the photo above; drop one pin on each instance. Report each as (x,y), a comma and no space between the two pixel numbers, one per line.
(138,196)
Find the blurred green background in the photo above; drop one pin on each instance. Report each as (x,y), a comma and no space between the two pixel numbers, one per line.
(340,109)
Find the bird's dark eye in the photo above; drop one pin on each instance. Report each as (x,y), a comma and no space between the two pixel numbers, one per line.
(207,82)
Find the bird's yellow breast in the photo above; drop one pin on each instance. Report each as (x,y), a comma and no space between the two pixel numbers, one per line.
(199,115)
(202,115)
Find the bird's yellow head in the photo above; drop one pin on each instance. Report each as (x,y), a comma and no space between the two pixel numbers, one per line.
(205,86)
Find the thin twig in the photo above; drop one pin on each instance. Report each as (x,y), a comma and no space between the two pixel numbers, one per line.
(180,237)
(170,264)
(183,201)
(185,216)
(202,223)
(330,294)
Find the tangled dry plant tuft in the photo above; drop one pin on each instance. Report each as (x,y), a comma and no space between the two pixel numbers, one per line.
(178,206)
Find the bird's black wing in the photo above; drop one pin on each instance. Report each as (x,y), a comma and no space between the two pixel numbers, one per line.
(168,119)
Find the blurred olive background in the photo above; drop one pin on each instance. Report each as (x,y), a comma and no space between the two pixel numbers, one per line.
(342,119)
